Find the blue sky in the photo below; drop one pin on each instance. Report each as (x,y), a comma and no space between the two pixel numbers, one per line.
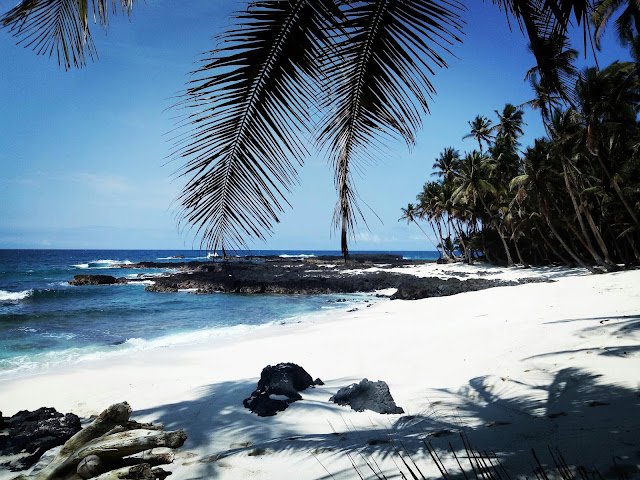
(83,153)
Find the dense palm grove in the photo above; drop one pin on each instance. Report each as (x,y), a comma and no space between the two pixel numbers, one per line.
(572,198)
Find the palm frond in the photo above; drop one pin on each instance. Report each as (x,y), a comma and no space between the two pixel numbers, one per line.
(61,26)
(378,72)
(545,23)
(247,115)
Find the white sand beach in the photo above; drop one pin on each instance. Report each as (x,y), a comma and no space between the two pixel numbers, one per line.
(529,366)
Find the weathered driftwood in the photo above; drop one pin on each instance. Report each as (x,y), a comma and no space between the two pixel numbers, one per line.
(113,437)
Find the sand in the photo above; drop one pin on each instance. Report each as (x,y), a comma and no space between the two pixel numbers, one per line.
(531,366)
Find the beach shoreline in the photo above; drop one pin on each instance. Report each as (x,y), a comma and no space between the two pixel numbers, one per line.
(515,366)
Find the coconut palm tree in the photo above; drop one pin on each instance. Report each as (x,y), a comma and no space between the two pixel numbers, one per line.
(474,186)
(446,164)
(481,130)
(544,101)
(609,102)
(410,214)
(510,123)
(555,72)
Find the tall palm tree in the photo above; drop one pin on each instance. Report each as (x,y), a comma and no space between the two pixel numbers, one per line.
(609,102)
(410,214)
(365,64)
(555,72)
(446,164)
(474,186)
(544,101)
(481,130)
(510,123)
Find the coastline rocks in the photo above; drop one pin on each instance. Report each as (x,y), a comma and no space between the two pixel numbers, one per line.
(416,288)
(285,380)
(247,277)
(96,280)
(25,436)
(367,395)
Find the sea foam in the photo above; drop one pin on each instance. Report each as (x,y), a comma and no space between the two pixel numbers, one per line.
(102,264)
(14,296)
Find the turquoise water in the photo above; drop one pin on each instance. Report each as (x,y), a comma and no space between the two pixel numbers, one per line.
(45,322)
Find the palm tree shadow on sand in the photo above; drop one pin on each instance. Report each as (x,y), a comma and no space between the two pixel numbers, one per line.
(593,424)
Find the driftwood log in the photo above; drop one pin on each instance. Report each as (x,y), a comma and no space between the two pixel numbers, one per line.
(114,439)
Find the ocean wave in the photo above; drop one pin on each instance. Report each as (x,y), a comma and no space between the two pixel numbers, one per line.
(14,296)
(136,276)
(66,336)
(97,264)
(38,362)
(302,255)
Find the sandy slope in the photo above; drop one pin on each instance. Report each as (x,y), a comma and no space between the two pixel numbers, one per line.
(517,367)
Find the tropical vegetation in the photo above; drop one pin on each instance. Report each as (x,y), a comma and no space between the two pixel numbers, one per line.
(352,76)
(572,198)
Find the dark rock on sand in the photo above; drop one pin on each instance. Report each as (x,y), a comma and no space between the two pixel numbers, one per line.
(284,379)
(416,288)
(367,395)
(96,280)
(25,436)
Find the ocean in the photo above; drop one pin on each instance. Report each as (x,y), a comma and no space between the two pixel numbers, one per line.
(46,323)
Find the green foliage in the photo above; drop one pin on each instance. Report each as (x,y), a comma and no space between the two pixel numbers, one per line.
(571,198)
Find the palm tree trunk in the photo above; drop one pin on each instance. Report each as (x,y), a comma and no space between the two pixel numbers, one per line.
(553,250)
(464,246)
(426,235)
(515,242)
(598,237)
(504,242)
(444,253)
(585,233)
(633,245)
(484,247)
(616,187)
(344,244)
(578,260)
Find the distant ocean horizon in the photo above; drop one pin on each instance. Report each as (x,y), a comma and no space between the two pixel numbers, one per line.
(46,323)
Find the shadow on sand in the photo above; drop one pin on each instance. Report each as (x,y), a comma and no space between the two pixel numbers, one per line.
(587,420)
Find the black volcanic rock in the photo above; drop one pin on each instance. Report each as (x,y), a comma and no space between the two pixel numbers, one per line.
(268,277)
(367,395)
(414,288)
(25,436)
(96,280)
(284,379)
(314,275)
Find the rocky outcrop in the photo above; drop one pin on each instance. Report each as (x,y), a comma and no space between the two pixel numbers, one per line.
(298,276)
(414,288)
(283,380)
(97,280)
(367,395)
(280,278)
(25,436)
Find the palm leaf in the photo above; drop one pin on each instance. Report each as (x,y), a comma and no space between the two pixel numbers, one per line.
(545,22)
(379,86)
(61,26)
(247,114)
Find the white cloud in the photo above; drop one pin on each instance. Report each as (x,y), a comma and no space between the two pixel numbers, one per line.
(368,237)
(106,184)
